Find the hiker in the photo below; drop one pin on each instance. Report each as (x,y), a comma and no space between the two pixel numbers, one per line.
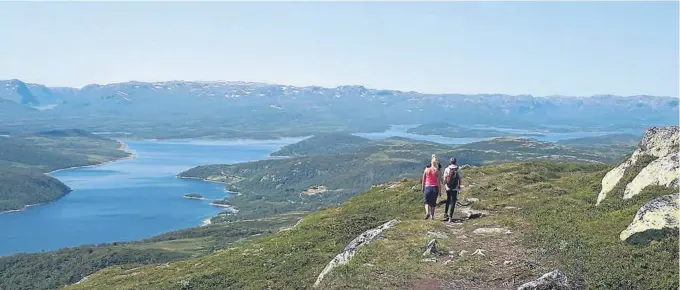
(432,179)
(452,179)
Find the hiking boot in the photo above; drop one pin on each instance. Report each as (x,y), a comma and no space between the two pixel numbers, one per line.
(427,216)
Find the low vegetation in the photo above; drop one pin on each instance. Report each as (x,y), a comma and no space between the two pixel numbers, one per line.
(24,159)
(18,189)
(271,187)
(322,145)
(548,210)
(53,270)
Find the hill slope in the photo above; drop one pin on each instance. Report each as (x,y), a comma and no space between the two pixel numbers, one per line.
(544,214)
(24,158)
(332,174)
(322,144)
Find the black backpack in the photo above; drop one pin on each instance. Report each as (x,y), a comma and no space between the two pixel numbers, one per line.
(452,179)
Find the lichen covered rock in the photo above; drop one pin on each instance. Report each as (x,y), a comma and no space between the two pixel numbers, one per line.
(348,253)
(550,281)
(654,220)
(661,143)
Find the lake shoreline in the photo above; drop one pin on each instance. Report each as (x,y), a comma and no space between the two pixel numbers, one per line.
(26,207)
(123,147)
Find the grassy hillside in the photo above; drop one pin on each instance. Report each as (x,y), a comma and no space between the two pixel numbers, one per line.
(548,209)
(322,144)
(270,187)
(24,158)
(53,270)
(18,189)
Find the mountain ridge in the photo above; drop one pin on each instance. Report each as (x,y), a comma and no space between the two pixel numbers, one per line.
(239,109)
(357,87)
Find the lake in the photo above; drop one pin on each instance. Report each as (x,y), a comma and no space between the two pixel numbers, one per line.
(400,131)
(129,199)
(138,198)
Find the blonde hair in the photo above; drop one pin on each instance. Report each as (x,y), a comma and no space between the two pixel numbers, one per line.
(433,164)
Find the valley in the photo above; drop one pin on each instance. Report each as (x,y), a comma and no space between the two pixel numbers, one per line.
(319,164)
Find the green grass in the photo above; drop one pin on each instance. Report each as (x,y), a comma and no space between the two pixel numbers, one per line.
(53,270)
(556,226)
(24,159)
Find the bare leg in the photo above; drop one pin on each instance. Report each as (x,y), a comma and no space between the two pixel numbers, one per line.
(432,211)
(427,211)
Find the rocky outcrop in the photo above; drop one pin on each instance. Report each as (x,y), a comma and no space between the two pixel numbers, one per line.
(662,171)
(551,281)
(352,248)
(654,220)
(431,248)
(661,143)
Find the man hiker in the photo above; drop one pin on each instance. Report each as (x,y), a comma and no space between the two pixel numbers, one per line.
(452,179)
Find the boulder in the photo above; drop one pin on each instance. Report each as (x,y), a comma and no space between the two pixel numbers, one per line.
(483,231)
(438,235)
(662,143)
(472,213)
(479,252)
(431,248)
(352,248)
(654,220)
(555,280)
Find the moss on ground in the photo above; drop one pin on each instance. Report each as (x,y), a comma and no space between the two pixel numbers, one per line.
(548,207)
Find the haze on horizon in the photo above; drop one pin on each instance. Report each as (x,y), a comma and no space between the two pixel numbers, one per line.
(537,48)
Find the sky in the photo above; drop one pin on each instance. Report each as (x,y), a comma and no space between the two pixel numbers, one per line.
(538,48)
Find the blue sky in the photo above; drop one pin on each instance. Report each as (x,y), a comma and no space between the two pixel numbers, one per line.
(539,48)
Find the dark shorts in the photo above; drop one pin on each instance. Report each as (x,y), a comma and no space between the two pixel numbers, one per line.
(431,193)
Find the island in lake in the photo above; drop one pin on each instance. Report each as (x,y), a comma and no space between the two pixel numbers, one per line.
(194,196)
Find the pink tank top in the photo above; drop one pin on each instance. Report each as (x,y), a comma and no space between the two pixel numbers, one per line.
(431,178)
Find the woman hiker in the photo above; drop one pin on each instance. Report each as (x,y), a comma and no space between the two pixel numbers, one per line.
(432,180)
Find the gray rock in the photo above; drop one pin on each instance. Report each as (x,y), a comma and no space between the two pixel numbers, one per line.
(431,248)
(462,252)
(437,235)
(483,231)
(662,143)
(472,199)
(479,252)
(394,185)
(472,213)
(555,280)
(654,220)
(429,260)
(348,253)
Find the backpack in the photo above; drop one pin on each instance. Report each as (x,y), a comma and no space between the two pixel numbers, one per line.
(452,179)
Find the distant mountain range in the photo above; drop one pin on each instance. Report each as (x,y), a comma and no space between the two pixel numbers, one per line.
(216,107)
